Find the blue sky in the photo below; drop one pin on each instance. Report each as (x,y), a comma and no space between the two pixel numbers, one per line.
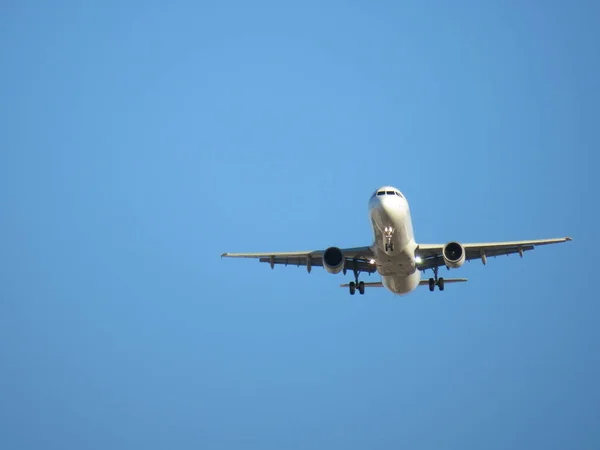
(140,140)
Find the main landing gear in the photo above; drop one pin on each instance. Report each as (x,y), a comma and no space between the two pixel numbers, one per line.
(436,281)
(356,284)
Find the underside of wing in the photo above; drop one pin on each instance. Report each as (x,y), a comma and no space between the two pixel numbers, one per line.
(454,254)
(333,259)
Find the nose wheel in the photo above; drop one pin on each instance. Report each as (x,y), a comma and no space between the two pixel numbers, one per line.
(433,282)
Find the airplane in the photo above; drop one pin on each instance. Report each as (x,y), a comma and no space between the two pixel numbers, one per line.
(394,253)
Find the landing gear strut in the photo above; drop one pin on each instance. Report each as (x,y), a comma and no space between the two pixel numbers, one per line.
(433,282)
(389,245)
(354,284)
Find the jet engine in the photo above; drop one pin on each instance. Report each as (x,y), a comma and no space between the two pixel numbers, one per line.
(333,260)
(454,255)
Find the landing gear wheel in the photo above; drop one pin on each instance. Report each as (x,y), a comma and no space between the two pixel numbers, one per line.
(352,288)
(361,287)
(441,284)
(431,284)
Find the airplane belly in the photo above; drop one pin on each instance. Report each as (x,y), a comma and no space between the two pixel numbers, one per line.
(402,264)
(402,284)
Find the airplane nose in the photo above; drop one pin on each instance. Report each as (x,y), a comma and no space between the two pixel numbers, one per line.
(388,201)
(392,206)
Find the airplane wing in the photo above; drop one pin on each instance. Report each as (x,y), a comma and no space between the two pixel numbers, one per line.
(358,258)
(431,254)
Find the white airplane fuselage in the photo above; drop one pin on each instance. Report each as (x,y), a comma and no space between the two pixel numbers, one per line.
(395,251)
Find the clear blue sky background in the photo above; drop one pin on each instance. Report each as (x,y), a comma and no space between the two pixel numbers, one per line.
(140,140)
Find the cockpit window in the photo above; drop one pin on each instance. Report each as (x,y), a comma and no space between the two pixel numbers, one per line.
(378,193)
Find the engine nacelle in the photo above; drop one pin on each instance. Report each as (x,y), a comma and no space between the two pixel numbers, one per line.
(454,255)
(333,260)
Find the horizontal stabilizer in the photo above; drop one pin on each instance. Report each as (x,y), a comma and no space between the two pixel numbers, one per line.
(374,284)
(446,281)
(421,283)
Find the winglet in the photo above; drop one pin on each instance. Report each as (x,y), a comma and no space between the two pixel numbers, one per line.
(568,238)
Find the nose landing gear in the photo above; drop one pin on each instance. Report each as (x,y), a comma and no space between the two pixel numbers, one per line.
(388,233)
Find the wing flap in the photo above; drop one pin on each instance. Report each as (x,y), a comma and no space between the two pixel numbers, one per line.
(350,264)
